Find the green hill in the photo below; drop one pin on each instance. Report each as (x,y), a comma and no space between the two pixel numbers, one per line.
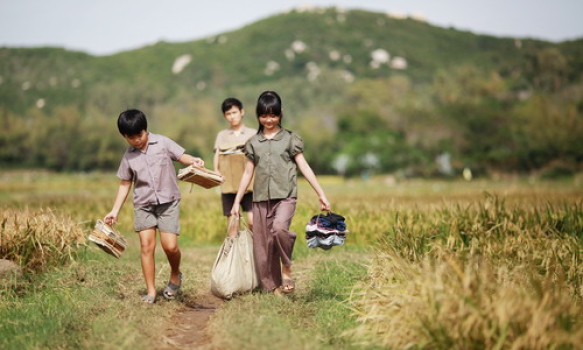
(433,89)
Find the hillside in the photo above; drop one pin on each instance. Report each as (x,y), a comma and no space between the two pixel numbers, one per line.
(322,61)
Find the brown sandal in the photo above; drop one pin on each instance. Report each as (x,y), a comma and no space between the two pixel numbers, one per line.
(288,286)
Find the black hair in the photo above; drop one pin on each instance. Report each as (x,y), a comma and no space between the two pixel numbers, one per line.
(268,102)
(131,122)
(230,102)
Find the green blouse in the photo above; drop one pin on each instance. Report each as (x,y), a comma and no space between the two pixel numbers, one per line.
(275,168)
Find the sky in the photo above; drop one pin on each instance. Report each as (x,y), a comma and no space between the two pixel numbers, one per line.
(103,27)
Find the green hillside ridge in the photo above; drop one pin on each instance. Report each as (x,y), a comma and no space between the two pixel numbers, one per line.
(445,86)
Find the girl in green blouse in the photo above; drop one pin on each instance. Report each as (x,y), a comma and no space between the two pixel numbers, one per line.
(273,155)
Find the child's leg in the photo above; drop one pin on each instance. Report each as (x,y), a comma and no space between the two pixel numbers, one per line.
(281,243)
(261,244)
(147,249)
(169,226)
(283,238)
(169,243)
(272,240)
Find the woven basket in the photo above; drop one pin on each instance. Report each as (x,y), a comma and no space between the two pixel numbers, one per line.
(200,176)
(108,239)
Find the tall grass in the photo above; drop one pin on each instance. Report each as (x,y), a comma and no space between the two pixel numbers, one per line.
(36,239)
(483,276)
(454,270)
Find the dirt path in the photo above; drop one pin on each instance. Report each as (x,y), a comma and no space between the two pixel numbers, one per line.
(187,328)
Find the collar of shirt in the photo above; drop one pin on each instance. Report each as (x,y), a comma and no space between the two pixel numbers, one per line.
(152,138)
(243,130)
(277,136)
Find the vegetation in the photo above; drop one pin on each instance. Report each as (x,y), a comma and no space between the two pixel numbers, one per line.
(371,93)
(491,277)
(434,264)
(38,239)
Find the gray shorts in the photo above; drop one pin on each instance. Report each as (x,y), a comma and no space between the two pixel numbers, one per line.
(163,216)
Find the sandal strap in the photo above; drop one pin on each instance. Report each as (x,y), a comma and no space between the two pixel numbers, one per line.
(149,299)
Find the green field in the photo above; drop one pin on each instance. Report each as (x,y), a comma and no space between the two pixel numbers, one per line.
(428,264)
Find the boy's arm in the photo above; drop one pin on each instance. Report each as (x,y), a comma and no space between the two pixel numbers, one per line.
(216,161)
(122,193)
(245,180)
(187,159)
(311,177)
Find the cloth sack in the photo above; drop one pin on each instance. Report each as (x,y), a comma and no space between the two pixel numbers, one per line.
(234,269)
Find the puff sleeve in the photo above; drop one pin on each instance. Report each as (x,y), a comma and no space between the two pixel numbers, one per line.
(249,150)
(296,145)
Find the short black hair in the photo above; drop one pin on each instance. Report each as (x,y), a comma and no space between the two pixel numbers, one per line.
(230,102)
(131,122)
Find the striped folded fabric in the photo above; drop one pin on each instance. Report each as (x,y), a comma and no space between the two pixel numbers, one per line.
(326,231)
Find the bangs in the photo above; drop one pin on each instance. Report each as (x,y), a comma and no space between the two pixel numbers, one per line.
(268,104)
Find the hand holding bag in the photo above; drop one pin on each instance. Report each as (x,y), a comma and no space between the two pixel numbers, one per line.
(234,269)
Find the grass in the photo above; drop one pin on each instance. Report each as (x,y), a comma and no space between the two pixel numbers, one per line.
(314,318)
(90,303)
(487,276)
(36,239)
(427,265)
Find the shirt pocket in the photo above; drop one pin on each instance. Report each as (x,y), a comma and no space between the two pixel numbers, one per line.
(158,161)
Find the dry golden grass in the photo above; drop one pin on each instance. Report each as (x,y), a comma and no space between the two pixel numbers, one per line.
(38,238)
(488,276)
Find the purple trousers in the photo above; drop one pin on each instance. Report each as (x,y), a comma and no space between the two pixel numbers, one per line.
(273,243)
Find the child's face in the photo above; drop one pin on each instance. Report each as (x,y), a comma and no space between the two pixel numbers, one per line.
(234,116)
(139,141)
(269,121)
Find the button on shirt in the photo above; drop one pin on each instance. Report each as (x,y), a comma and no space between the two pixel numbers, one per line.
(152,171)
(275,168)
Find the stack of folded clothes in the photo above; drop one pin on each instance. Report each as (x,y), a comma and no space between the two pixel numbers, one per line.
(326,231)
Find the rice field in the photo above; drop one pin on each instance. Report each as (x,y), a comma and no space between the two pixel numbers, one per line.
(428,264)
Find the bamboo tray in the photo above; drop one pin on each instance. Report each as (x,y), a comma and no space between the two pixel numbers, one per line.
(200,176)
(108,239)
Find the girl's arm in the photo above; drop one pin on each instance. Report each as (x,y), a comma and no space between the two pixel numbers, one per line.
(187,159)
(122,194)
(311,177)
(245,180)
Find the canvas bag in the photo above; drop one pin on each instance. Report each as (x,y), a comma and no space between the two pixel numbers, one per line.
(234,269)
